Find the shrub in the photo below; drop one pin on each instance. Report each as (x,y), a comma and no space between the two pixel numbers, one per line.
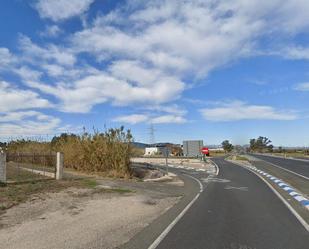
(107,152)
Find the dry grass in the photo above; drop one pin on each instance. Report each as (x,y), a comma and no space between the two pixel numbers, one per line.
(217,153)
(107,153)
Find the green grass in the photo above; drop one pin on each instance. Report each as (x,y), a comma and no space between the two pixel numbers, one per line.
(15,174)
(89,183)
(121,190)
(242,158)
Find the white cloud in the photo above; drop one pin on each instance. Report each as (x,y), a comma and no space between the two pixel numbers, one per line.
(121,86)
(150,118)
(132,119)
(296,53)
(27,123)
(6,58)
(58,10)
(51,31)
(189,36)
(238,110)
(167,119)
(53,53)
(170,109)
(148,49)
(302,87)
(20,115)
(12,98)
(28,74)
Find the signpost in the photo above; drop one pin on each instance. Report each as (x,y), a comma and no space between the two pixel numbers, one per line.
(205,152)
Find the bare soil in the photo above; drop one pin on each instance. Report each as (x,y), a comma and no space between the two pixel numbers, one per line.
(91,213)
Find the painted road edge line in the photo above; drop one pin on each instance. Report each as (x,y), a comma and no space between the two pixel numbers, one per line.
(302,199)
(217,167)
(174,222)
(286,187)
(290,171)
(293,211)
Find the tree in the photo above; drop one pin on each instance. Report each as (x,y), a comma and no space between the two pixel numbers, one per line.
(227,146)
(261,144)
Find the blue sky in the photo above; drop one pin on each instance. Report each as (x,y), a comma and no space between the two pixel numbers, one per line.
(210,70)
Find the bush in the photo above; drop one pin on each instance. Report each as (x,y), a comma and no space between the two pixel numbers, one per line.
(107,152)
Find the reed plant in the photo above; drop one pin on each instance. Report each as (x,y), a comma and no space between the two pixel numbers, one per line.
(107,153)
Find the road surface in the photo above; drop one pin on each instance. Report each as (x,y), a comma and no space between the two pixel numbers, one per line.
(237,210)
(299,167)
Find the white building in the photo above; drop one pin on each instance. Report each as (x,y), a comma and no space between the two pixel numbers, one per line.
(151,151)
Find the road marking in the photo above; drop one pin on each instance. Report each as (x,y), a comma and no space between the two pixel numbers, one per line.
(174,222)
(214,179)
(305,177)
(293,211)
(217,167)
(237,188)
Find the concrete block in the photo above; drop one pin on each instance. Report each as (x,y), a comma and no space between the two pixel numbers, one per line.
(2,167)
(59,168)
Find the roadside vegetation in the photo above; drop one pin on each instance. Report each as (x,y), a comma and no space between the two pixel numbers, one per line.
(227,146)
(238,158)
(241,158)
(291,152)
(261,144)
(105,153)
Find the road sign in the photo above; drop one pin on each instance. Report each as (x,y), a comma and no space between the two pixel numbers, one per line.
(205,150)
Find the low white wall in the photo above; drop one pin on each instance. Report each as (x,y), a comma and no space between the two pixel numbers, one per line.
(179,161)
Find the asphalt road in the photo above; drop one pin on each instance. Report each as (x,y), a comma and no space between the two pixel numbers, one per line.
(299,167)
(237,210)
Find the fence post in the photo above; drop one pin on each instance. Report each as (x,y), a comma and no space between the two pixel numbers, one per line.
(59,170)
(2,167)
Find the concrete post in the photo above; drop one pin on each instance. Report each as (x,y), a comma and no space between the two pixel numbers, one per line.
(59,169)
(2,167)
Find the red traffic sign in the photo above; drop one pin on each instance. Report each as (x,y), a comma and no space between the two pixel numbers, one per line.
(205,150)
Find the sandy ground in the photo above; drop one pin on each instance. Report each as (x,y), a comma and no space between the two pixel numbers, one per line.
(78,218)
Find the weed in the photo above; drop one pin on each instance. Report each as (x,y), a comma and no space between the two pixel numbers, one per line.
(90,183)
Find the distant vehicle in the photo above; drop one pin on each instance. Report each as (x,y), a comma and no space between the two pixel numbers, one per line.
(205,151)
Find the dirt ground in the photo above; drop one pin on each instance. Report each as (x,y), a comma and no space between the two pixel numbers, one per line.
(104,216)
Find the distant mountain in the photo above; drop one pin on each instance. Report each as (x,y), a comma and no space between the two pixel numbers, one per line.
(140,145)
(143,145)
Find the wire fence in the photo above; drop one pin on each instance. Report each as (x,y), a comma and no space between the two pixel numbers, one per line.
(23,167)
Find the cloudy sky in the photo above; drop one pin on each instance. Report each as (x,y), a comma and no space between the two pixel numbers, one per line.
(203,69)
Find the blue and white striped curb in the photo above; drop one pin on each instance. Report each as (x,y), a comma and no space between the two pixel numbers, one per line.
(292,192)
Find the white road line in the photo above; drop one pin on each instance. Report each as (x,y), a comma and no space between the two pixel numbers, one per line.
(217,167)
(198,181)
(293,211)
(305,177)
(174,222)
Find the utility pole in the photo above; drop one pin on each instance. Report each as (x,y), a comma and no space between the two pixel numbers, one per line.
(151,134)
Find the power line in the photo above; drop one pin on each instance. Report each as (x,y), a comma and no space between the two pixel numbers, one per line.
(151,134)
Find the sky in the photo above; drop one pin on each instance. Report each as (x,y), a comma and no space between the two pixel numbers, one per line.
(211,69)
